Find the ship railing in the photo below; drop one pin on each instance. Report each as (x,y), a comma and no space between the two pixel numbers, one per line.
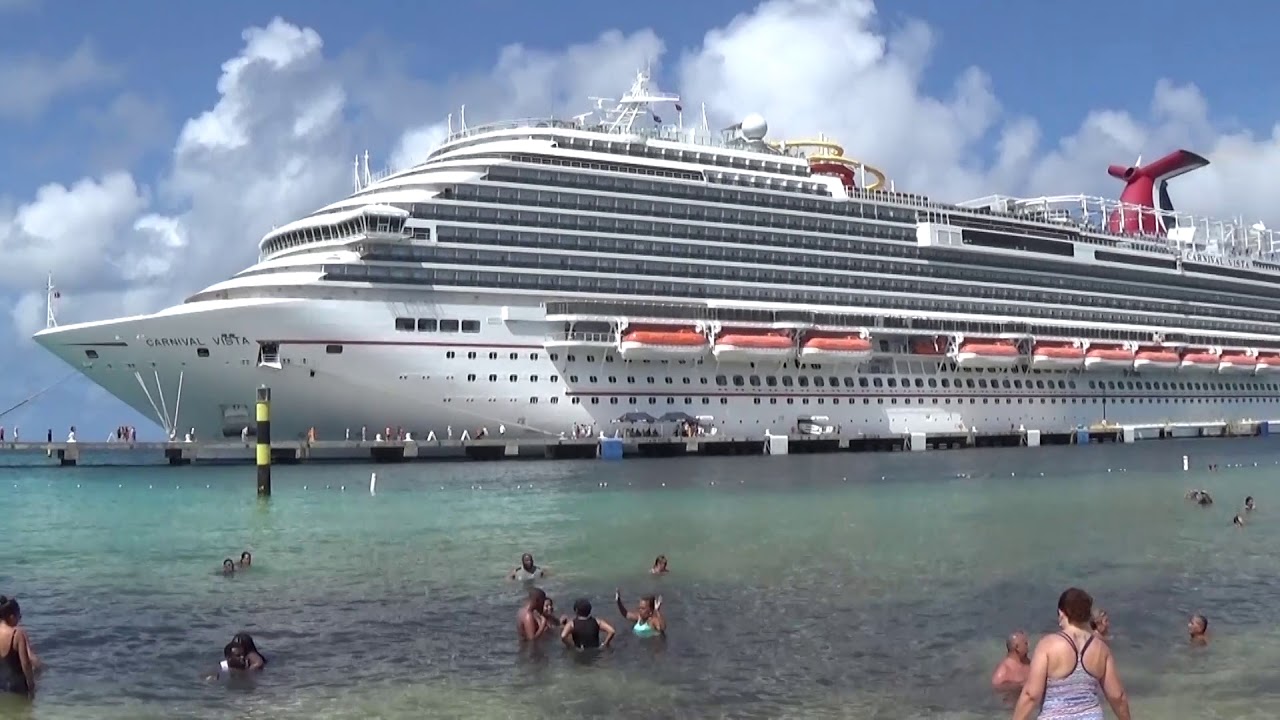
(592,338)
(691,135)
(1186,234)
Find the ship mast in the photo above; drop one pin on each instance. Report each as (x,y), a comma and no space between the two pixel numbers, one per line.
(639,100)
(51,294)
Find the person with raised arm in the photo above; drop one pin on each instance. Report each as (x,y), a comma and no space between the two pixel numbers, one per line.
(647,620)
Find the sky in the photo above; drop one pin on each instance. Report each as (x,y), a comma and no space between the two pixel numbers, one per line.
(146,146)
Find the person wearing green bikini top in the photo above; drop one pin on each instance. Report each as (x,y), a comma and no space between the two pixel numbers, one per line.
(646,618)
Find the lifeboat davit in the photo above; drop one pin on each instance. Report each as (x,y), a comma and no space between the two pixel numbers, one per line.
(752,345)
(987,354)
(1156,358)
(1237,362)
(1267,362)
(661,343)
(928,346)
(1108,357)
(1199,360)
(835,348)
(1057,355)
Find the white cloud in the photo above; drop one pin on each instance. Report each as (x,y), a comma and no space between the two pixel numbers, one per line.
(278,141)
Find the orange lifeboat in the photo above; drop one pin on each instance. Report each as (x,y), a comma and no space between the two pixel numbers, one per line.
(1267,362)
(987,353)
(1199,360)
(1108,357)
(660,343)
(749,345)
(1156,358)
(1051,355)
(835,348)
(928,346)
(1236,361)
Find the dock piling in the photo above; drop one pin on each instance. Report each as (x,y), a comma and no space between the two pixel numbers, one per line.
(263,409)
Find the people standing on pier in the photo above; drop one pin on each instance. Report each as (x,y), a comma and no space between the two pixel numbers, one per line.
(646,619)
(1198,629)
(1,433)
(527,570)
(1072,669)
(530,622)
(583,631)
(1012,671)
(18,661)
(49,435)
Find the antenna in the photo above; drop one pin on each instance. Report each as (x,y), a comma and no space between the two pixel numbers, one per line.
(51,294)
(462,114)
(355,173)
(705,126)
(450,123)
(368,179)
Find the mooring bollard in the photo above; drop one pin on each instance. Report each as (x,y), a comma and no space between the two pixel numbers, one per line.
(264,441)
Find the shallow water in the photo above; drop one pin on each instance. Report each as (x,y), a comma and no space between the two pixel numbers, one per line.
(859,586)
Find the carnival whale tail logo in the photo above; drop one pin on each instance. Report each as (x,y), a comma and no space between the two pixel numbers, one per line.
(1147,186)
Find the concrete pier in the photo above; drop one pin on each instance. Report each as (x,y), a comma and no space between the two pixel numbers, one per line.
(292,452)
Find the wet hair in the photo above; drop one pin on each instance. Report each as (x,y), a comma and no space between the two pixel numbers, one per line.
(1077,605)
(652,600)
(244,641)
(246,555)
(9,608)
(659,560)
(1204,621)
(537,597)
(582,607)
(235,662)
(228,561)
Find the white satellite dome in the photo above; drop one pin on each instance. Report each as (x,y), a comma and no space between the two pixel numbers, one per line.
(754,127)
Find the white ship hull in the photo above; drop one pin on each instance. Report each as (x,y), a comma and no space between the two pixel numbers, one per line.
(503,375)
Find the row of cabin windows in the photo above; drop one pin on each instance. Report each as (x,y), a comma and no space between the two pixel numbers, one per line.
(632,401)
(404,324)
(566,282)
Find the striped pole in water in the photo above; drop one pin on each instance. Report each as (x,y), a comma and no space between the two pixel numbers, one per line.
(264,441)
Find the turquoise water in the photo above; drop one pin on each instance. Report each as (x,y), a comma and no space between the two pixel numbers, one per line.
(854,585)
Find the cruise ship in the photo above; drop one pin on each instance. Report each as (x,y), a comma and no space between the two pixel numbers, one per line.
(537,277)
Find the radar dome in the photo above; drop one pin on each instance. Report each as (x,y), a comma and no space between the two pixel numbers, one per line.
(754,127)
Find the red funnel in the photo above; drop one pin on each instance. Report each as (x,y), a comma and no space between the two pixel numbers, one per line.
(1140,187)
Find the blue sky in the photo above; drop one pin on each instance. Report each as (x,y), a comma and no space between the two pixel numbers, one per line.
(102,185)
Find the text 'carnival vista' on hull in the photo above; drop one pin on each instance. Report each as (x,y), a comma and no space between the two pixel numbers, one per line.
(537,275)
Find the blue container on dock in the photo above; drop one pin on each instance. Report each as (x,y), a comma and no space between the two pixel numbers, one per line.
(610,448)
(1082,436)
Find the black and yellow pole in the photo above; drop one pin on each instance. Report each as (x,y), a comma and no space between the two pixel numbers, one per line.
(264,441)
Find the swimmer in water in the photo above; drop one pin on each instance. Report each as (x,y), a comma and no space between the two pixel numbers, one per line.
(246,559)
(228,567)
(253,659)
(582,632)
(1204,499)
(19,665)
(232,662)
(527,570)
(531,624)
(659,566)
(1237,521)
(1101,624)
(549,612)
(647,617)
(1249,506)
(1012,671)
(1198,629)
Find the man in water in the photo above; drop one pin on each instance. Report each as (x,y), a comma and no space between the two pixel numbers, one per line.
(583,631)
(531,624)
(527,570)
(1012,671)
(1198,629)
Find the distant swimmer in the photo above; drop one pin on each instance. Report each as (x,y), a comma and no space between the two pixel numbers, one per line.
(1198,629)
(583,631)
(659,565)
(1072,670)
(228,567)
(1011,673)
(1101,624)
(1204,499)
(531,624)
(246,559)
(527,570)
(1237,521)
(647,618)
(233,662)
(1249,505)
